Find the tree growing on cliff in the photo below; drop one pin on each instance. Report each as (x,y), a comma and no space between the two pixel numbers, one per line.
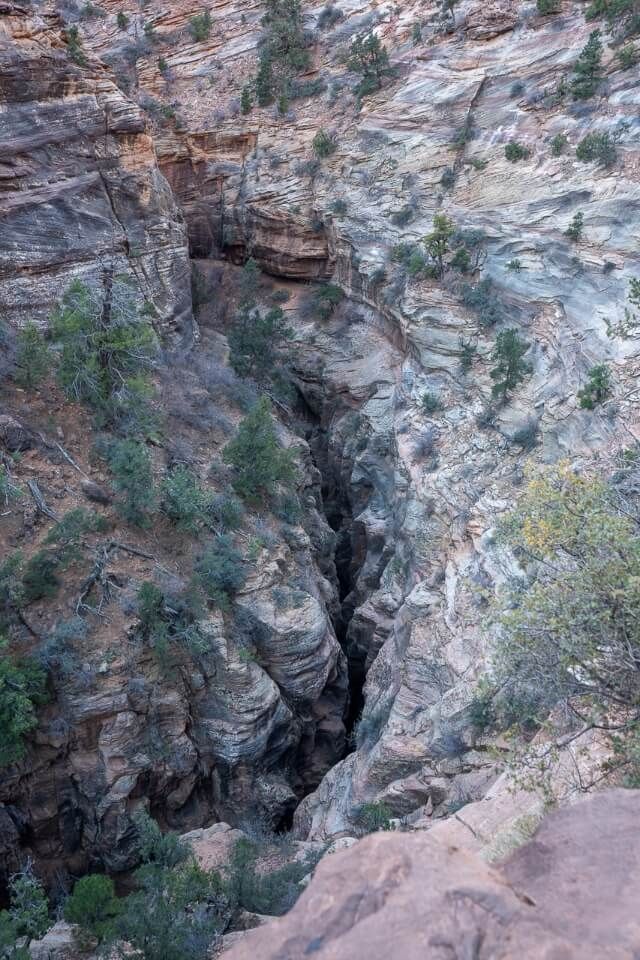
(284,51)
(133,480)
(22,691)
(107,348)
(261,467)
(597,388)
(200,26)
(588,68)
(438,242)
(510,366)
(369,58)
(256,338)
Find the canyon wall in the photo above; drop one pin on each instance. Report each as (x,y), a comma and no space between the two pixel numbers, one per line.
(411,496)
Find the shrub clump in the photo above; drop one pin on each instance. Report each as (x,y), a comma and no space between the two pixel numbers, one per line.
(597,389)
(369,57)
(514,151)
(200,26)
(598,147)
(261,467)
(22,691)
(130,465)
(324,144)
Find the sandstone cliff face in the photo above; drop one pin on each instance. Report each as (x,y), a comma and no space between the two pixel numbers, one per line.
(81,186)
(412,497)
(569,892)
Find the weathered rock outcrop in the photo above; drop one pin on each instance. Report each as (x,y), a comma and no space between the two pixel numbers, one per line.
(81,186)
(570,892)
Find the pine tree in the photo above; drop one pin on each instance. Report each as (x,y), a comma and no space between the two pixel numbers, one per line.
(510,368)
(246,102)
(588,68)
(437,242)
(261,466)
(369,57)
(107,348)
(32,360)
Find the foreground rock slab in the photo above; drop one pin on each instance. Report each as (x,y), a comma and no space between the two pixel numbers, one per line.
(571,892)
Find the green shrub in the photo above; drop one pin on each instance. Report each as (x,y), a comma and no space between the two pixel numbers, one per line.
(545,7)
(40,578)
(130,465)
(33,362)
(324,144)
(221,572)
(576,227)
(599,147)
(430,402)
(628,57)
(74,46)
(27,917)
(483,301)
(184,500)
(369,58)
(559,144)
(181,921)
(514,265)
(372,817)
(416,34)
(588,69)
(260,465)
(284,52)
(226,511)
(122,20)
(403,216)
(166,620)
(93,906)
(468,351)
(107,347)
(327,297)
(622,16)
(200,26)
(246,101)
(627,328)
(22,690)
(510,367)
(515,152)
(269,892)
(597,389)
(256,339)
(339,207)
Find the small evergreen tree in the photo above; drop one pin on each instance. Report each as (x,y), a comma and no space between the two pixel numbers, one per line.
(599,147)
(323,144)
(256,339)
(22,690)
(514,152)
(510,367)
(597,388)
(184,500)
(32,360)
(588,68)
(369,58)
(133,480)
(260,464)
(576,227)
(107,349)
(246,102)
(200,26)
(438,241)
(220,571)
(93,906)
(122,20)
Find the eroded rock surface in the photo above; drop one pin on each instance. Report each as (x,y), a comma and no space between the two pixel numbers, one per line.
(81,186)
(570,892)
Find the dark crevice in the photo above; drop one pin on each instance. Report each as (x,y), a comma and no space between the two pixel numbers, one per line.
(349,550)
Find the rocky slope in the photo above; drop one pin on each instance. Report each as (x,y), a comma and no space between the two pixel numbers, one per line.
(412,496)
